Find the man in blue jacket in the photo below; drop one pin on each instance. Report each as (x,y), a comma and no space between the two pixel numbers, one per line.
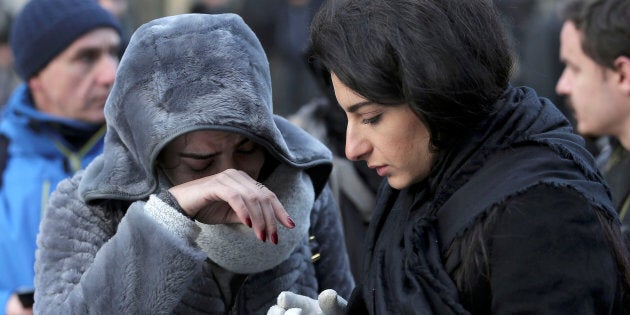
(66,51)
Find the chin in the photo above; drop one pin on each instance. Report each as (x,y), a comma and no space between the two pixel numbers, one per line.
(398,183)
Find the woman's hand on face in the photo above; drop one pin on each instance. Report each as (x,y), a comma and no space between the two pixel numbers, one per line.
(232,196)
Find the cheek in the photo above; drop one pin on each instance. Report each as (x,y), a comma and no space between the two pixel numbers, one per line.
(416,152)
(252,165)
(176,176)
(177,172)
(584,97)
(587,85)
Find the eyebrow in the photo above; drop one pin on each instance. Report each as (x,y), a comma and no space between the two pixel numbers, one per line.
(357,106)
(96,50)
(87,50)
(197,156)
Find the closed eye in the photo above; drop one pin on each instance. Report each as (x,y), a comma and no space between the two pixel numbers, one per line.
(247,147)
(198,163)
(372,120)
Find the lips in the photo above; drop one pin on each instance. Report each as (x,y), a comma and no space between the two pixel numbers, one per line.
(381,170)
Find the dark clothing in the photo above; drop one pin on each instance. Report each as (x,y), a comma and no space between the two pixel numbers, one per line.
(615,165)
(509,221)
(354,185)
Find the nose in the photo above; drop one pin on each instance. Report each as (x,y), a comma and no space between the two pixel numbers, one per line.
(226,162)
(563,87)
(107,69)
(357,147)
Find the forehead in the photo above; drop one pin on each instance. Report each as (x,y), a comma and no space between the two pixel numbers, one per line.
(570,38)
(345,96)
(102,37)
(571,52)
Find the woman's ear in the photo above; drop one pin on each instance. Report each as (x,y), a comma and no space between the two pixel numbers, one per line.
(622,67)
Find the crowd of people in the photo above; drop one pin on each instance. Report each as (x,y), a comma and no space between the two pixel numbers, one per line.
(426,165)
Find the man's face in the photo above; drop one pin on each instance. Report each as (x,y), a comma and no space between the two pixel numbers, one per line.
(590,89)
(76,83)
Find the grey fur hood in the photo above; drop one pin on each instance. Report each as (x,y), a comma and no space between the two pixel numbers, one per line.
(175,79)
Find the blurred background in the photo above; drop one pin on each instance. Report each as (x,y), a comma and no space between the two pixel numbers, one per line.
(282,27)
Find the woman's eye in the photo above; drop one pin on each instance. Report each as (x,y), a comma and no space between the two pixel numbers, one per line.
(371,120)
(247,148)
(200,165)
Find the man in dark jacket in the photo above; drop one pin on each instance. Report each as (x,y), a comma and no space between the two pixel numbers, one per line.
(595,47)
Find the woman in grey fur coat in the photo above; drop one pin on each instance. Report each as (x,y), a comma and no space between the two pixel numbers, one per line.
(203,201)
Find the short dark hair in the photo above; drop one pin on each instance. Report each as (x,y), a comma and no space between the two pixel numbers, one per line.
(449,60)
(605,28)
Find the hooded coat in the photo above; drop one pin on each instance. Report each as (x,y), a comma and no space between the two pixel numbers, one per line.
(108,245)
(515,219)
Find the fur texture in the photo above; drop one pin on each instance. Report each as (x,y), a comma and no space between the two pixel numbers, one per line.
(185,73)
(106,247)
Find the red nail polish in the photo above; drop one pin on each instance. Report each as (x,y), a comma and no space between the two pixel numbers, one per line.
(274,238)
(249,222)
(263,236)
(291,222)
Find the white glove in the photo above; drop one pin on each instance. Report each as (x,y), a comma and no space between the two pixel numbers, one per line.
(328,303)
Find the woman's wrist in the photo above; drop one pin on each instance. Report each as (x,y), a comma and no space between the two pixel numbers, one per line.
(170,200)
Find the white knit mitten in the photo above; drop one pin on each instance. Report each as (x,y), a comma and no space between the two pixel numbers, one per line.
(328,303)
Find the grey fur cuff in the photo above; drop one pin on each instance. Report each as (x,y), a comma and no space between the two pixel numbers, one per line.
(172,219)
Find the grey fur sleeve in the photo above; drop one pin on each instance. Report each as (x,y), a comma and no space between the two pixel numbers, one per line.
(96,261)
(332,267)
(172,219)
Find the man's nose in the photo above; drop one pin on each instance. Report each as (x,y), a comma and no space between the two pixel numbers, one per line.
(107,67)
(563,86)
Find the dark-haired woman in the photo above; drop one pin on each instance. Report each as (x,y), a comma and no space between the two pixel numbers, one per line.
(491,204)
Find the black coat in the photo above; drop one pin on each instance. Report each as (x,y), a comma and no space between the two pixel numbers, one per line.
(512,220)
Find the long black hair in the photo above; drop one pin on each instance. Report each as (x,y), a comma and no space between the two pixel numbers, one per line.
(449,60)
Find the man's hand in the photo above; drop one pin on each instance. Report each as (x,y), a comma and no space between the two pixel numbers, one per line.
(15,307)
(328,303)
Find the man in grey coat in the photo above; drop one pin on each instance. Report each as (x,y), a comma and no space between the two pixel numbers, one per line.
(203,201)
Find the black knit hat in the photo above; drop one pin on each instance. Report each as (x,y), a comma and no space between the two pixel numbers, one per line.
(44,28)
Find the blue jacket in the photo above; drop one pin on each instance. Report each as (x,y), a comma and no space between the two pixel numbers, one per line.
(38,157)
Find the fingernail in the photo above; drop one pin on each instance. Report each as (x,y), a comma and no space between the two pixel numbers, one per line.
(263,236)
(274,238)
(291,222)
(249,222)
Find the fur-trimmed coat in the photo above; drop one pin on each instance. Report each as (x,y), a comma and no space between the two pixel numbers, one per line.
(109,245)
